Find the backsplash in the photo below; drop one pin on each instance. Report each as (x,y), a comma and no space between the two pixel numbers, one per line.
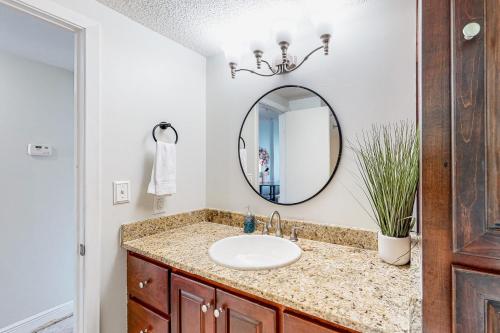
(153,226)
(354,237)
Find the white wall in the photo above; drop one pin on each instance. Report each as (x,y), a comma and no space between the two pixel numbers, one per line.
(37,218)
(145,79)
(369,77)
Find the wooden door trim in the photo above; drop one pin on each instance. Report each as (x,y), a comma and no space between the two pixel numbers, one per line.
(435,185)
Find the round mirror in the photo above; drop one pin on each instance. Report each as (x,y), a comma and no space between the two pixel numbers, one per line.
(290,145)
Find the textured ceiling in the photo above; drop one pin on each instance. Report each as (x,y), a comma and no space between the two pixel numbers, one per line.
(205,25)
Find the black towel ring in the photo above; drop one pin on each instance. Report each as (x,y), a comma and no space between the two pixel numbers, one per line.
(164,125)
(244,144)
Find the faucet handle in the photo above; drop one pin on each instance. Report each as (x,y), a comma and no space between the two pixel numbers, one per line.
(293,234)
(265,228)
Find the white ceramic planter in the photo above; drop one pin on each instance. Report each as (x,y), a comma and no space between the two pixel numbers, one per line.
(394,251)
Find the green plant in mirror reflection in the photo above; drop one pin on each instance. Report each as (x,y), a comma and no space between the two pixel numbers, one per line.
(387,157)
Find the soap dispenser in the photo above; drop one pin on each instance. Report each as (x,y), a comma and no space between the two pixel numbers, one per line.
(249,224)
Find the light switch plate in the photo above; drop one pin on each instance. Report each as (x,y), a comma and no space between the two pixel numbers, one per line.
(121,192)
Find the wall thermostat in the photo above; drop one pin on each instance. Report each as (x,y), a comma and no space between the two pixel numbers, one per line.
(39,150)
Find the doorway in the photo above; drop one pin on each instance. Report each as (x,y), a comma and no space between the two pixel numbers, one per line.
(49,60)
(37,108)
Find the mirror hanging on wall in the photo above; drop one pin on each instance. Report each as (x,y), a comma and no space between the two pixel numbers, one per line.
(290,145)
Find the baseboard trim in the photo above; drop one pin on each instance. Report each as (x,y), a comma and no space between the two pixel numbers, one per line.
(28,325)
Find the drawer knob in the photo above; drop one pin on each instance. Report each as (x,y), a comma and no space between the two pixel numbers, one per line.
(205,307)
(143,285)
(471,30)
(218,312)
(144,331)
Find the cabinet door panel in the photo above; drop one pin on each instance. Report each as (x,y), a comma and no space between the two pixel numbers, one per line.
(476,301)
(294,324)
(188,298)
(148,283)
(239,315)
(141,319)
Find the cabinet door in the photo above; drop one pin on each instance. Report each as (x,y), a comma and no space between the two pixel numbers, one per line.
(141,319)
(293,324)
(192,306)
(238,315)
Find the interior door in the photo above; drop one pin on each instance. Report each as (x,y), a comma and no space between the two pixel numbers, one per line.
(238,315)
(192,306)
(460,165)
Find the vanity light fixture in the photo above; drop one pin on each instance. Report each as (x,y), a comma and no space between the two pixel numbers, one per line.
(288,64)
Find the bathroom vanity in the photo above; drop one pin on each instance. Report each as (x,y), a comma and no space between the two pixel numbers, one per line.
(161,295)
(173,286)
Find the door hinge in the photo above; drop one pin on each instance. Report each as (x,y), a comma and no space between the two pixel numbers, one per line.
(82,249)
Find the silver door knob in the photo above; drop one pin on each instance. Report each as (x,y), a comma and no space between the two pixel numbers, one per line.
(217,312)
(142,285)
(471,30)
(205,307)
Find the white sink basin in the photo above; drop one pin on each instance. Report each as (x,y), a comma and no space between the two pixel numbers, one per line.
(254,252)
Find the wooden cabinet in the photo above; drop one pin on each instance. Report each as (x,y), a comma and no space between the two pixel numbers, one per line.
(294,324)
(238,315)
(141,319)
(192,306)
(196,305)
(148,283)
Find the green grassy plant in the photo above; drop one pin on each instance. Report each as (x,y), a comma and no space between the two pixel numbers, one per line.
(387,157)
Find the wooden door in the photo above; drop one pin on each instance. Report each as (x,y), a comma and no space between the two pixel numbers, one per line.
(460,165)
(141,319)
(192,306)
(238,315)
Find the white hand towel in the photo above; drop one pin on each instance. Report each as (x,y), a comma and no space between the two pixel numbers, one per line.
(164,174)
(243,159)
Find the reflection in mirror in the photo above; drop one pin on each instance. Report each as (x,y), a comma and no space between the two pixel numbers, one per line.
(290,145)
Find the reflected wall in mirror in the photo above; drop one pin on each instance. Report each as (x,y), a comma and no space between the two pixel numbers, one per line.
(290,145)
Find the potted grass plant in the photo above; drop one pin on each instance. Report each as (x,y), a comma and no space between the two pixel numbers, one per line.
(387,157)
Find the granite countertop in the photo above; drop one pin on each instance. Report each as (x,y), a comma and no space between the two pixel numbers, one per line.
(345,285)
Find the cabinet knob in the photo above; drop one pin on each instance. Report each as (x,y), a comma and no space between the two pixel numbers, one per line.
(143,285)
(205,307)
(471,30)
(218,312)
(144,331)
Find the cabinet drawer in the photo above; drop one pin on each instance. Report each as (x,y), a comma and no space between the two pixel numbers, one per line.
(148,283)
(294,324)
(141,319)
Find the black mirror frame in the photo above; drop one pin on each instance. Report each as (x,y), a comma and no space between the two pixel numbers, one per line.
(340,148)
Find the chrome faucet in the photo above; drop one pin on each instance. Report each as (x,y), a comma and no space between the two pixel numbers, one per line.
(279,231)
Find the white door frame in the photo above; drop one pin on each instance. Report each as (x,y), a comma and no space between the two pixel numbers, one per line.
(87,152)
